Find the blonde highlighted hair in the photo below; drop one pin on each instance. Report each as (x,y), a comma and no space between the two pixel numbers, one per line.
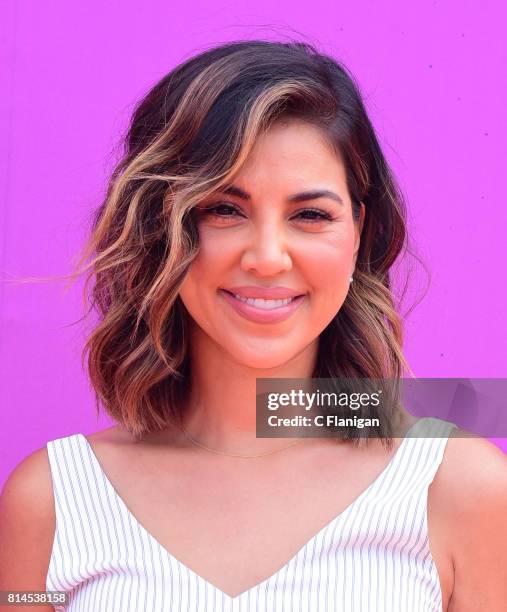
(187,137)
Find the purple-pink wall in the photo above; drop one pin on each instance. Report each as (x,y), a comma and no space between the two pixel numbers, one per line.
(434,80)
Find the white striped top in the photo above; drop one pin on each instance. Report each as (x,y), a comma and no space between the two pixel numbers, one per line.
(372,557)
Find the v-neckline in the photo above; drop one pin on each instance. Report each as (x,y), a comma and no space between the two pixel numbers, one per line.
(332,523)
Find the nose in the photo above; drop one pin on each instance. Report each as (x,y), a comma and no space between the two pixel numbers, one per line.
(267,254)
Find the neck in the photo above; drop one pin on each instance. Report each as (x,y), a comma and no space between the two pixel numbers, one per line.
(221,410)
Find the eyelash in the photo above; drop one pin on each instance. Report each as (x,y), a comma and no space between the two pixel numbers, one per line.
(211,210)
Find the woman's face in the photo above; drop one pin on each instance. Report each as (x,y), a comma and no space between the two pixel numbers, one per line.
(264,239)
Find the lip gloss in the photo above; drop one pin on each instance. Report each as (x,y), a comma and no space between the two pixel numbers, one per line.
(257,315)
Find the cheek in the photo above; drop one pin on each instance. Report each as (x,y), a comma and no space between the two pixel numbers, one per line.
(216,251)
(206,272)
(328,260)
(328,264)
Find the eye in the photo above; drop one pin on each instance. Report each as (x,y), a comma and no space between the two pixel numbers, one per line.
(223,211)
(314,215)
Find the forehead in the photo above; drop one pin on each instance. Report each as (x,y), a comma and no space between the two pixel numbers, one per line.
(295,150)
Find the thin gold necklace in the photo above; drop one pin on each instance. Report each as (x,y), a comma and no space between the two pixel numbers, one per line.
(218,452)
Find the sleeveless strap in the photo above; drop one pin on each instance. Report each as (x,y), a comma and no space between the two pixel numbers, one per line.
(431,434)
(87,519)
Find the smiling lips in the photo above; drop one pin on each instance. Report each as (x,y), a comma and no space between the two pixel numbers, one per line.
(263,304)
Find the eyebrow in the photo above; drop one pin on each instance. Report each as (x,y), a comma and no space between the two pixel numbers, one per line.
(304,196)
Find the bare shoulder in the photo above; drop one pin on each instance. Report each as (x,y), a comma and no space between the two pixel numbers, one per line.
(113,435)
(472,467)
(119,439)
(470,495)
(27,524)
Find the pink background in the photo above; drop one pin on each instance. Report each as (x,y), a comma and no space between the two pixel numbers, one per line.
(434,81)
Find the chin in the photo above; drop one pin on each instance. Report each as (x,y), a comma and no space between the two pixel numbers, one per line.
(263,360)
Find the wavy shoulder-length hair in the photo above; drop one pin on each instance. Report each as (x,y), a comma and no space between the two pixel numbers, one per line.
(188,137)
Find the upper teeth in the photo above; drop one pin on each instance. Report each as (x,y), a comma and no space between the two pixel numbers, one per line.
(264,304)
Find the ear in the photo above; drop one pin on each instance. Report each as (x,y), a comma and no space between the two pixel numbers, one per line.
(358,230)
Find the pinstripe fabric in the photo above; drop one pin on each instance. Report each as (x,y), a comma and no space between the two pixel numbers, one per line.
(374,556)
